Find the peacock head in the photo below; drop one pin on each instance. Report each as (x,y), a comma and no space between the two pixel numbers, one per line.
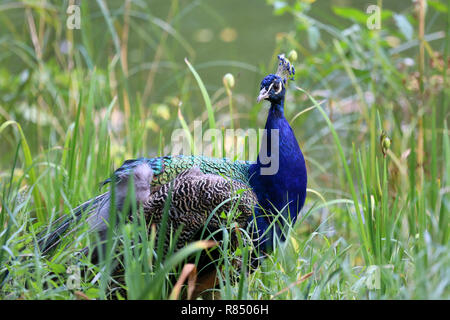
(272,89)
(273,86)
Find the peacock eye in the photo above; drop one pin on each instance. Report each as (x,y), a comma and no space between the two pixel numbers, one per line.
(277,87)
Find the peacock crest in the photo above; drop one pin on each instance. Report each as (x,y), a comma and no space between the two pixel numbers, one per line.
(285,70)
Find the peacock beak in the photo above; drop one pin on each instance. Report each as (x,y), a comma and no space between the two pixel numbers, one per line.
(263,94)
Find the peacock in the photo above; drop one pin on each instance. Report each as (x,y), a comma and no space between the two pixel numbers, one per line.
(272,192)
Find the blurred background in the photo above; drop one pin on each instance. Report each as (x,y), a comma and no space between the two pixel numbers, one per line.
(43,62)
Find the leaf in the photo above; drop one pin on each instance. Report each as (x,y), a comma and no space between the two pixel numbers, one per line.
(351,13)
(57,268)
(209,108)
(280,7)
(189,272)
(81,296)
(438,6)
(154,287)
(29,163)
(92,293)
(313,36)
(386,14)
(187,132)
(361,74)
(293,284)
(404,26)
(295,244)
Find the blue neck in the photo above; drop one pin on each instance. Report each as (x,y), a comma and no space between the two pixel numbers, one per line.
(285,189)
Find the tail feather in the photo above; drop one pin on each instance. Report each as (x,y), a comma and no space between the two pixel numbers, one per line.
(50,240)
(95,212)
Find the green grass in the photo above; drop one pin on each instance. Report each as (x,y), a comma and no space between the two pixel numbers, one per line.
(375,224)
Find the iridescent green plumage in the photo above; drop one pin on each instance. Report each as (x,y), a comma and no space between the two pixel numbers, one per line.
(165,169)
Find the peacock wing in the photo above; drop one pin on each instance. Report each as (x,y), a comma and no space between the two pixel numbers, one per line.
(199,200)
(167,168)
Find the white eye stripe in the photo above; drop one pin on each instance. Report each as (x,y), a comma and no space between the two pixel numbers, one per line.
(279,90)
